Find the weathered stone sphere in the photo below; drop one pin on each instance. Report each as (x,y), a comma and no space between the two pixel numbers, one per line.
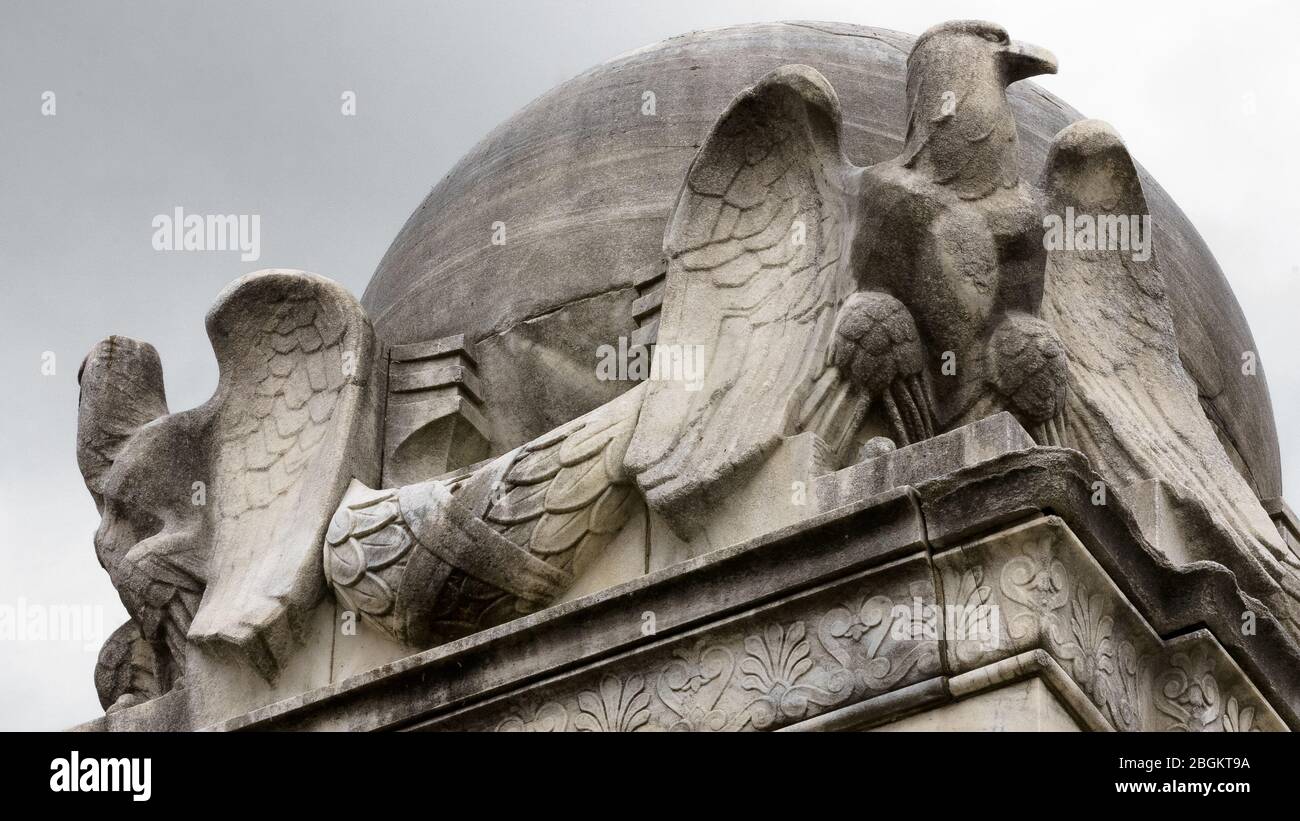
(585,183)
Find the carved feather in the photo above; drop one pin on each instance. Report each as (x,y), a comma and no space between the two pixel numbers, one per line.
(121,390)
(754,278)
(295,353)
(567,494)
(1133,409)
(126,672)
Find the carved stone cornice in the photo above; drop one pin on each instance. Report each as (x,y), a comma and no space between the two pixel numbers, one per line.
(1174,599)
(1053,597)
(802,626)
(801,629)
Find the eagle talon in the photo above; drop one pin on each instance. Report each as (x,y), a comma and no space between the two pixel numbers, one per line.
(878,348)
(915,386)
(1051,433)
(1027,366)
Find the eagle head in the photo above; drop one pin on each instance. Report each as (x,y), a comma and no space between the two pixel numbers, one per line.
(960,127)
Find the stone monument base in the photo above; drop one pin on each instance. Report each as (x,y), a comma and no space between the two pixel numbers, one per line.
(968,582)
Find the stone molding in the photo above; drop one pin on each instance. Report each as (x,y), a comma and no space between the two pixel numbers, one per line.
(1054,599)
(796,629)
(785,629)
(433,422)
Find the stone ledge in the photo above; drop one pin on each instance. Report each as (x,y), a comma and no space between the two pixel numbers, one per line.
(1051,597)
(804,620)
(1173,600)
(700,591)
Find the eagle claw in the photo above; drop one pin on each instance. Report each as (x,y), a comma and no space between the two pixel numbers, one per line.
(877,347)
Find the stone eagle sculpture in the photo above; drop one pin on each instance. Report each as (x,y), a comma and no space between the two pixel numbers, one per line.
(898,300)
(822,295)
(805,278)
(212,518)
(829,298)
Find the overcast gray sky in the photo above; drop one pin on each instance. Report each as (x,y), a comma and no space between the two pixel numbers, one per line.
(233,107)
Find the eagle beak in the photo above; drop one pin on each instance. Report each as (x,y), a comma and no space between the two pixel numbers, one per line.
(1023,60)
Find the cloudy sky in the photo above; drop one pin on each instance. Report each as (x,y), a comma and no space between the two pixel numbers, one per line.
(234,108)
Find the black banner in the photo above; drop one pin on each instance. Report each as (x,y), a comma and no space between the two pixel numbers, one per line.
(338,771)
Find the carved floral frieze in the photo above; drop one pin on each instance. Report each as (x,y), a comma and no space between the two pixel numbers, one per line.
(1051,594)
(1031,588)
(812,654)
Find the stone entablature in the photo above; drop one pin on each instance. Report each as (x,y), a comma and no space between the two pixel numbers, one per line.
(802,628)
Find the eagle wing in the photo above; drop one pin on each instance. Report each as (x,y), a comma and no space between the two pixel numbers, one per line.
(130,450)
(566,494)
(497,539)
(127,666)
(293,422)
(753,285)
(122,390)
(1132,409)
